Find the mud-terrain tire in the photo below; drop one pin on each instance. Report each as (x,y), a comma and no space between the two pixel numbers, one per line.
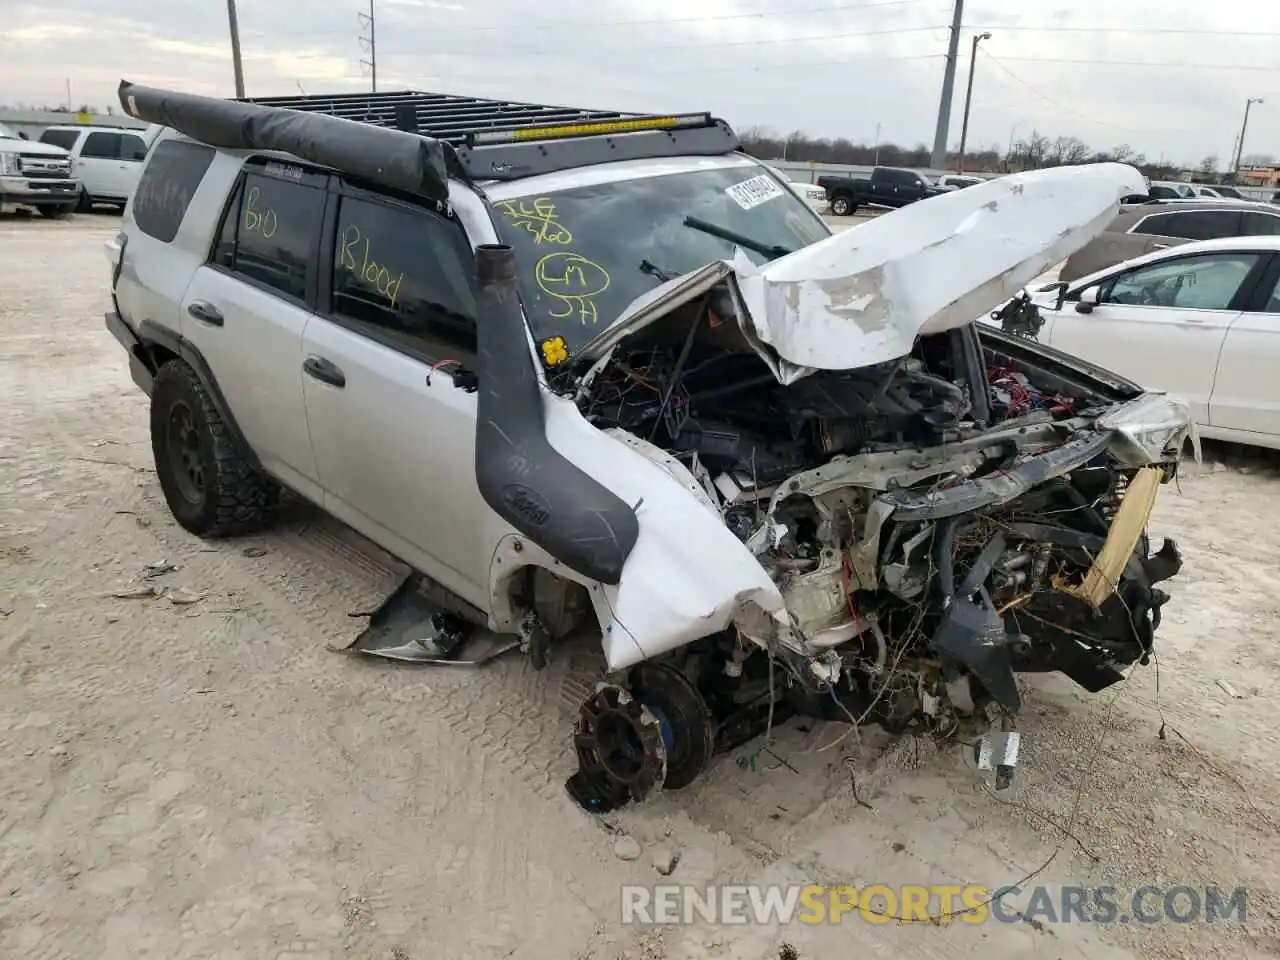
(842,206)
(208,482)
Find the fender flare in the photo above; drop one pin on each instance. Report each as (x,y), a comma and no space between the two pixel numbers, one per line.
(151,334)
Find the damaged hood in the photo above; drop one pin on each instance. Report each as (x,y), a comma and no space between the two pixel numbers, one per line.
(863,296)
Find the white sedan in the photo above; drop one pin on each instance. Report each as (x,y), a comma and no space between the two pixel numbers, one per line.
(1201,320)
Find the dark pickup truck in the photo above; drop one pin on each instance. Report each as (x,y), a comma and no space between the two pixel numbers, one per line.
(886,187)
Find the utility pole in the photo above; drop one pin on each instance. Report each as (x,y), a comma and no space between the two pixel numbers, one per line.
(938,160)
(235,48)
(370,43)
(1235,167)
(964,126)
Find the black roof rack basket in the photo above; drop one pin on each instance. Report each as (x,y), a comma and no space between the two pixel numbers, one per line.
(503,140)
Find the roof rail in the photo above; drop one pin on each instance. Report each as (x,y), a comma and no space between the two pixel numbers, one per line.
(505,140)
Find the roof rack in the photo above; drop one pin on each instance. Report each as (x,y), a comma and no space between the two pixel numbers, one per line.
(506,140)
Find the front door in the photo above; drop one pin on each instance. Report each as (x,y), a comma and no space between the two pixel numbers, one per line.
(385,375)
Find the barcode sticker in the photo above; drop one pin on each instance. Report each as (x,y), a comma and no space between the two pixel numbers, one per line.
(753,192)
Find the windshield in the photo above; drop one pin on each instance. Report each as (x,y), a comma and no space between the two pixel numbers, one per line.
(584,254)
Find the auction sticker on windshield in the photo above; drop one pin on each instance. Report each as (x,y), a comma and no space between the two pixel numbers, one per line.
(753,192)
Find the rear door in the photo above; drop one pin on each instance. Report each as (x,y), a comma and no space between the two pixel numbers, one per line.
(1246,394)
(246,310)
(1163,324)
(133,153)
(98,165)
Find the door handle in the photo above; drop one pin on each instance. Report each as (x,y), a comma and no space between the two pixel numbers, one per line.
(325,371)
(1193,320)
(1159,246)
(205,313)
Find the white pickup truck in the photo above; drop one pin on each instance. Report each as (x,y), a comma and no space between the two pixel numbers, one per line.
(106,160)
(35,175)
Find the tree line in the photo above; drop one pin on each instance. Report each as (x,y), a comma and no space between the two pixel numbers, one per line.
(1032,152)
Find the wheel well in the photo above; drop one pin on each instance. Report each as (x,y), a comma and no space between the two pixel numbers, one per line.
(158,355)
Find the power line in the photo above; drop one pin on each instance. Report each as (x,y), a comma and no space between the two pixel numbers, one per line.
(1179,64)
(1060,106)
(717,44)
(576,23)
(1144,31)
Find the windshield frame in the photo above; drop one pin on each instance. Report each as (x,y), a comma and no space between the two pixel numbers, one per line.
(784,217)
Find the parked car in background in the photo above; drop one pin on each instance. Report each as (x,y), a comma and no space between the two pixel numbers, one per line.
(956,181)
(1176,188)
(35,175)
(1146,227)
(1201,320)
(886,187)
(106,160)
(810,193)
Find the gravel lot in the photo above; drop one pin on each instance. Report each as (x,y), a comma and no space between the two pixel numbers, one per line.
(199,776)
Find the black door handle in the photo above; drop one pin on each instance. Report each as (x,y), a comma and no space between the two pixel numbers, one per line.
(324,371)
(205,313)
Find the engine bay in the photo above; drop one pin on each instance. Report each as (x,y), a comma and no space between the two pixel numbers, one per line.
(936,525)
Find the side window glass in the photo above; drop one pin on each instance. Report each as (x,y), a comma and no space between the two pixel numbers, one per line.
(276,223)
(224,251)
(407,272)
(1158,226)
(132,147)
(101,146)
(1260,225)
(1194,283)
(66,139)
(168,182)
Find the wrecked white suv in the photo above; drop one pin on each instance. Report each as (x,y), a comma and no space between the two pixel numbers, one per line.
(606,372)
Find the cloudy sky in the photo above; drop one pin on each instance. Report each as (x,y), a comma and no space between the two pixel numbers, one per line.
(1169,77)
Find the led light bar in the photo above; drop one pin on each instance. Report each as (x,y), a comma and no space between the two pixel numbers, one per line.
(589,129)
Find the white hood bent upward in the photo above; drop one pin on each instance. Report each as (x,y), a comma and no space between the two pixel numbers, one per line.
(863,296)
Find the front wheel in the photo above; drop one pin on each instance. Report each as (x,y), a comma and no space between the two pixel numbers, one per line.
(210,485)
(57,212)
(842,206)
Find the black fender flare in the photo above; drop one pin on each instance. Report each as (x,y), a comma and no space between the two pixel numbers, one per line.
(151,334)
(520,475)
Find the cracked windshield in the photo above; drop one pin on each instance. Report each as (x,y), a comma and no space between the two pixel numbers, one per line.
(584,254)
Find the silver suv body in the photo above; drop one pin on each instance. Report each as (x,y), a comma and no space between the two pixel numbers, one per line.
(611,374)
(34,174)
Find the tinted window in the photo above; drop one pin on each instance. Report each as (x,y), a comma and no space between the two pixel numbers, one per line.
(270,229)
(168,182)
(1207,282)
(132,147)
(99,145)
(1260,225)
(1162,193)
(1193,224)
(406,271)
(66,139)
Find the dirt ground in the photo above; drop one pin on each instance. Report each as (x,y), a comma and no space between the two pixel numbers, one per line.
(199,776)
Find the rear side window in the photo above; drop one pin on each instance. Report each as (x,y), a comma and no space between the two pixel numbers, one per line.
(132,147)
(1193,225)
(407,273)
(66,139)
(101,145)
(168,182)
(270,229)
(1260,225)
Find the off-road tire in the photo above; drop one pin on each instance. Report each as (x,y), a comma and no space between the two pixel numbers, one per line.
(231,497)
(842,207)
(57,212)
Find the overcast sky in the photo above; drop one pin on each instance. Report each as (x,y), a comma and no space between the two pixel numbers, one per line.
(1169,77)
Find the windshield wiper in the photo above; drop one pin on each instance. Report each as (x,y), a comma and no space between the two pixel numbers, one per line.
(771,251)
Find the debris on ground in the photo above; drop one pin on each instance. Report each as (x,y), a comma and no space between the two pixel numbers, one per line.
(626,848)
(160,569)
(143,592)
(664,859)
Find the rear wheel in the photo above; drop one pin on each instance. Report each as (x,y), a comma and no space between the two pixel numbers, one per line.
(85,203)
(208,482)
(842,206)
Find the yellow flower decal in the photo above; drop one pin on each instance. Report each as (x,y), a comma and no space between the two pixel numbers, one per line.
(554,351)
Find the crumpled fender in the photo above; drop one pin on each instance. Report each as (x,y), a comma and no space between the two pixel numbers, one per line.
(688,575)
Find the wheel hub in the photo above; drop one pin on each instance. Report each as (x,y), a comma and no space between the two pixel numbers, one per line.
(621,754)
(184,453)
